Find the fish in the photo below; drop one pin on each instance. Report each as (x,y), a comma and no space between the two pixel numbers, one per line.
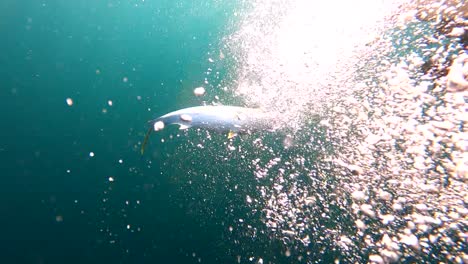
(219,118)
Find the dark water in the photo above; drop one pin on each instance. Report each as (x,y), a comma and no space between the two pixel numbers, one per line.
(58,204)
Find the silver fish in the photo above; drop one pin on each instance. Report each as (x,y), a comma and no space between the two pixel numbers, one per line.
(231,119)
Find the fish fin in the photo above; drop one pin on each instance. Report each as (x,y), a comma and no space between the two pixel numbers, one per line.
(145,142)
(231,134)
(183,127)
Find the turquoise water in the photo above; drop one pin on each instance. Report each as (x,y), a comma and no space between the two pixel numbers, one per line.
(58,203)
(79,81)
(75,188)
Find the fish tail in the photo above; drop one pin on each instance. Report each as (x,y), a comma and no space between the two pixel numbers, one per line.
(145,142)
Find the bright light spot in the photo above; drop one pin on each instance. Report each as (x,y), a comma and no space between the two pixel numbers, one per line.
(125,79)
(120,161)
(300,54)
(69,101)
(158,126)
(185,117)
(109,102)
(199,91)
(111,179)
(91,154)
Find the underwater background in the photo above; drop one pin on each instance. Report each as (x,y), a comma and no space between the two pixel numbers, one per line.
(79,81)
